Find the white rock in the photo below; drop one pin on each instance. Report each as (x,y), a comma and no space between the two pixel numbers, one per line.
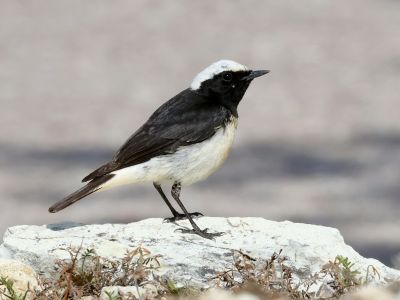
(23,276)
(187,257)
(129,292)
(325,292)
(124,292)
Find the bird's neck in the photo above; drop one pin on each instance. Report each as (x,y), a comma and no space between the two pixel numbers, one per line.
(222,100)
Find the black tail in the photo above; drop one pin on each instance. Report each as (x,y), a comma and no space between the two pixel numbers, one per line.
(88,189)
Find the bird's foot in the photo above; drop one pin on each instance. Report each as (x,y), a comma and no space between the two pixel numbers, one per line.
(203,233)
(178,217)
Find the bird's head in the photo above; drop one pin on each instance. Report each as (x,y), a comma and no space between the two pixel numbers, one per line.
(225,81)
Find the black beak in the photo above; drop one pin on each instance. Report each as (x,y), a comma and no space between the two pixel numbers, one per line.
(255,74)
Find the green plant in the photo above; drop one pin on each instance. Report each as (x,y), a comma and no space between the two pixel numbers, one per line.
(344,278)
(349,275)
(9,291)
(172,290)
(111,296)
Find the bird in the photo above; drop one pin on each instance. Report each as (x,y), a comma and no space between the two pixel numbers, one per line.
(184,141)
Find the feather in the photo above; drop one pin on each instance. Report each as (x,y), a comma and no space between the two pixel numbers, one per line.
(188,118)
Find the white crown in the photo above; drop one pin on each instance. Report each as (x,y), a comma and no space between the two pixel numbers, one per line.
(214,69)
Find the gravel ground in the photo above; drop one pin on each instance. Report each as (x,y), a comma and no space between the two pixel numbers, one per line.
(318,139)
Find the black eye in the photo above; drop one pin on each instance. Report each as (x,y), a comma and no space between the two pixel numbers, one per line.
(227,76)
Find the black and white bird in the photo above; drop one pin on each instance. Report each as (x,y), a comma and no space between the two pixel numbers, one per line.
(184,141)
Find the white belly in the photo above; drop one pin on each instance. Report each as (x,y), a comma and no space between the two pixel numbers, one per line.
(187,165)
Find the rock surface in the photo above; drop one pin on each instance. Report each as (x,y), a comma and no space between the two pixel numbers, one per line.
(189,258)
(128,292)
(23,276)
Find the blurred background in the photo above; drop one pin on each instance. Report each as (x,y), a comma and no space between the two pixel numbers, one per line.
(318,139)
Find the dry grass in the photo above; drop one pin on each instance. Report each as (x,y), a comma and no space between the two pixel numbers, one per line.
(86,273)
(274,278)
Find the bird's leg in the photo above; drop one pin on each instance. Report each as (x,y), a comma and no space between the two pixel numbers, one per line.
(175,213)
(175,192)
(161,192)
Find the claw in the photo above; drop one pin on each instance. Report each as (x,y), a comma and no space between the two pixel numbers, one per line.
(182,217)
(203,233)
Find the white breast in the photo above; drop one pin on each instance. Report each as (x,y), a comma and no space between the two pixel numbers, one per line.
(198,161)
(187,165)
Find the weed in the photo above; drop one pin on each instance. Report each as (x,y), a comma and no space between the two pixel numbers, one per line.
(111,296)
(343,276)
(275,277)
(86,273)
(9,292)
(170,289)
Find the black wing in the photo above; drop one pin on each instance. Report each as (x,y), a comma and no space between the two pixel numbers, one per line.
(186,119)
